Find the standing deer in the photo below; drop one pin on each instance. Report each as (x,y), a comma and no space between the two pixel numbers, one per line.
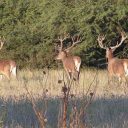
(116,67)
(7,67)
(71,63)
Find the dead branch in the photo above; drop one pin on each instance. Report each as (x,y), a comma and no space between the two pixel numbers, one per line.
(40,116)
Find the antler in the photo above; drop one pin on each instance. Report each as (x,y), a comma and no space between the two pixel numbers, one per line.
(2,40)
(100,40)
(75,40)
(123,37)
(62,39)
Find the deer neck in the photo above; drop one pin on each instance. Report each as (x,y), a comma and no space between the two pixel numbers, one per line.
(110,57)
(109,54)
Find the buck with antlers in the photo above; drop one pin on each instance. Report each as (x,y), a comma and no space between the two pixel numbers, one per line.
(7,67)
(116,67)
(71,63)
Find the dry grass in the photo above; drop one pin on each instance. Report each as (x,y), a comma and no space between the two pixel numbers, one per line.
(38,82)
(108,109)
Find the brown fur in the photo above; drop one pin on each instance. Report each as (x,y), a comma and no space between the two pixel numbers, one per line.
(69,64)
(5,67)
(116,65)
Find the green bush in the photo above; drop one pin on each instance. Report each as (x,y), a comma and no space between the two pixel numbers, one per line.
(30,28)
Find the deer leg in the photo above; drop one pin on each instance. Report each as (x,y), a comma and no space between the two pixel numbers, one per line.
(76,77)
(68,74)
(126,69)
(14,71)
(1,76)
(124,80)
(126,73)
(77,74)
(120,80)
(7,73)
(109,78)
(78,68)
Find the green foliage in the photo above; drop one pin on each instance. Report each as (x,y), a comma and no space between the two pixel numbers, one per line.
(31,27)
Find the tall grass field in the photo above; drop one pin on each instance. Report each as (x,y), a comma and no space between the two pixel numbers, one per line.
(108,108)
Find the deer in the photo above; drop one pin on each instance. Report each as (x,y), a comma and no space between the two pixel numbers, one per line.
(7,67)
(116,67)
(71,63)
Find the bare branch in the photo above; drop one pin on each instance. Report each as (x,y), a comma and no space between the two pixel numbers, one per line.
(39,114)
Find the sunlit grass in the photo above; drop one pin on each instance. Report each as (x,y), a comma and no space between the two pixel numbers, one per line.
(108,109)
(38,81)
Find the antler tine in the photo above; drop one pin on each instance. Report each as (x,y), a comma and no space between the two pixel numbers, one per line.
(61,39)
(1,42)
(123,34)
(3,38)
(123,37)
(75,40)
(78,39)
(61,43)
(100,40)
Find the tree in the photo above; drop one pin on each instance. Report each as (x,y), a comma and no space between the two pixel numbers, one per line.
(30,27)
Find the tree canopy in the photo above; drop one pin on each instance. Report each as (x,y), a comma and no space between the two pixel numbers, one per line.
(31,27)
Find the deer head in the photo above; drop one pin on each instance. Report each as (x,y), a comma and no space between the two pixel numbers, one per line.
(110,50)
(63,52)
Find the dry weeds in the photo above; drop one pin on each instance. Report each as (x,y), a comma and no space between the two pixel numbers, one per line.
(52,80)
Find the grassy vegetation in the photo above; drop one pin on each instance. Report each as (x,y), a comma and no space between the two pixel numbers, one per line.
(31,29)
(107,110)
(39,81)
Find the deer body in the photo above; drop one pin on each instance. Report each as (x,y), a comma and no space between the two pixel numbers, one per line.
(7,67)
(71,63)
(116,67)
